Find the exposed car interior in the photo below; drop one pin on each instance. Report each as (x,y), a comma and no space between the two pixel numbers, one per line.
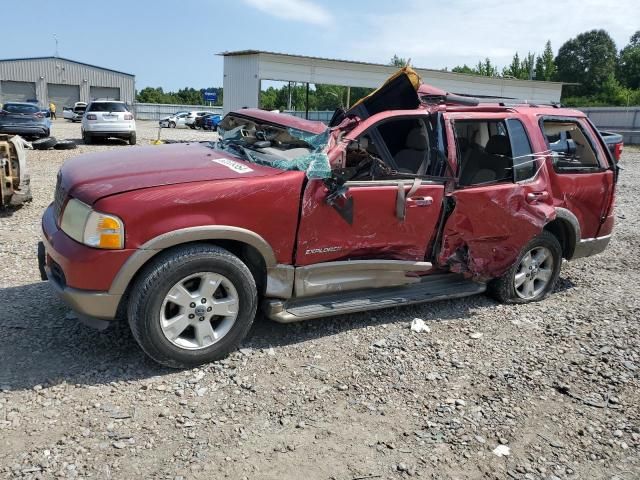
(408,141)
(484,152)
(267,139)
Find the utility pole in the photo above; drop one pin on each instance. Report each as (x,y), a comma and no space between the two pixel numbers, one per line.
(55,38)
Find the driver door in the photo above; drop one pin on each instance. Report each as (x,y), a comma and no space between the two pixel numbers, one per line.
(393,217)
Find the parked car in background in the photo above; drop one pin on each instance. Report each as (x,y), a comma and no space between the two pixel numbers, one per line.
(74,113)
(174,121)
(190,120)
(413,195)
(211,121)
(26,119)
(108,118)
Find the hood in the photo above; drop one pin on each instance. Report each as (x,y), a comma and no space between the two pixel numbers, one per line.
(94,176)
(282,119)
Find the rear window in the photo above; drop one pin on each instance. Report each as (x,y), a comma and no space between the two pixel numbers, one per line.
(107,107)
(17,108)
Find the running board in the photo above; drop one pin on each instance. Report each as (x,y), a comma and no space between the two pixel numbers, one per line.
(429,289)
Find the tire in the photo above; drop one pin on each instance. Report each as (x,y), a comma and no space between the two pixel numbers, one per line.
(44,143)
(86,138)
(65,145)
(505,289)
(150,304)
(192,127)
(132,139)
(172,124)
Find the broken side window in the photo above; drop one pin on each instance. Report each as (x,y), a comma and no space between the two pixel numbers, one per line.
(571,146)
(401,147)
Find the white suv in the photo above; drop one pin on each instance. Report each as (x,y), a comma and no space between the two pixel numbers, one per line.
(108,118)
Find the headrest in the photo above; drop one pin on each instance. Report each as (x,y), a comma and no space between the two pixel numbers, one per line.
(417,139)
(498,145)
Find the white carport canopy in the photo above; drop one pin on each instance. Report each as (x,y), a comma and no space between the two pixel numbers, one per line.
(245,69)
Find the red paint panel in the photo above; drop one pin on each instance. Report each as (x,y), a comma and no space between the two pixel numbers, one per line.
(93,176)
(267,206)
(376,232)
(490,225)
(283,119)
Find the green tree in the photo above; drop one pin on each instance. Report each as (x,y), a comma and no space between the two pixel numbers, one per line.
(515,68)
(399,62)
(527,66)
(464,69)
(589,59)
(545,64)
(629,65)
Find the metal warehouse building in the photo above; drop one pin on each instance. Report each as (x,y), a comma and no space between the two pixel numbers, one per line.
(61,81)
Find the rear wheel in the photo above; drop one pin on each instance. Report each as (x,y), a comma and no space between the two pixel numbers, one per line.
(534,274)
(132,138)
(86,138)
(192,305)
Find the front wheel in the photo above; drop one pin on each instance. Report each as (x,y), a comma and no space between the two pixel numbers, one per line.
(533,276)
(192,305)
(172,124)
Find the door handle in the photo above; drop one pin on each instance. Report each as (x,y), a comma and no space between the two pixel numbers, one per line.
(419,201)
(534,197)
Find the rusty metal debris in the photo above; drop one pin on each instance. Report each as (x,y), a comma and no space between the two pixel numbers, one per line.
(14,179)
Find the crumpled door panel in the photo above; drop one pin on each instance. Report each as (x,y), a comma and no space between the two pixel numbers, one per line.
(488,228)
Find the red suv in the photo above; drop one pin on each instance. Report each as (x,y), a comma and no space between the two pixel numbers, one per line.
(410,196)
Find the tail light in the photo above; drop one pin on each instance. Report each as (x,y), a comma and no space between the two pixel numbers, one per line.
(91,116)
(128,116)
(617,151)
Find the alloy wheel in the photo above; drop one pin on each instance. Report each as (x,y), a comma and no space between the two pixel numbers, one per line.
(534,273)
(199,310)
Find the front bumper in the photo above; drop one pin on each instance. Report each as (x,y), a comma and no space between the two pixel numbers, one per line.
(69,265)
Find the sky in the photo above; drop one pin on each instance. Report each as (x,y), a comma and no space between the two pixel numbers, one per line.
(173,44)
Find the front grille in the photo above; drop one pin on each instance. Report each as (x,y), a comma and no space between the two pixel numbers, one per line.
(59,198)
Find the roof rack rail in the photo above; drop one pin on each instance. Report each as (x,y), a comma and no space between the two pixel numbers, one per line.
(467,100)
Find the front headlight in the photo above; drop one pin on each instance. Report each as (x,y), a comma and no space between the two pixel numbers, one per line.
(94,229)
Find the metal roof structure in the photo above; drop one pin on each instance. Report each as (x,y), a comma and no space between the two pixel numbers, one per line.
(67,60)
(245,69)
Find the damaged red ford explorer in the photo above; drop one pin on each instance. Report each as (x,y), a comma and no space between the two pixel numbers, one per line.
(410,196)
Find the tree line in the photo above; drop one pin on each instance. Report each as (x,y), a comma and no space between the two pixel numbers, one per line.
(597,74)
(184,96)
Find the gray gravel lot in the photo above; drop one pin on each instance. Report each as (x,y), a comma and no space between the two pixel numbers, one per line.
(351,397)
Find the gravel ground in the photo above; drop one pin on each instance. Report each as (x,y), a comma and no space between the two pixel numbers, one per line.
(553,384)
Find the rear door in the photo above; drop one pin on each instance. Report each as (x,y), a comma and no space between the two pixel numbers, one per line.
(501,200)
(393,217)
(582,180)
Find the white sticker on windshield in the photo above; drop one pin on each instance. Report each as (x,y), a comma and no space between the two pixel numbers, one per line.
(233,165)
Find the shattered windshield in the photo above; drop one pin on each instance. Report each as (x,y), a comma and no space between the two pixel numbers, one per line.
(275,146)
